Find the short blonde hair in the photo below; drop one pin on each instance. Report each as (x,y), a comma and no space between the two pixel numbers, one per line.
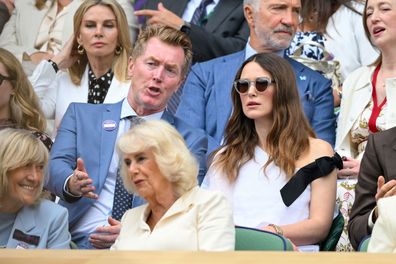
(19,148)
(172,156)
(120,62)
(169,36)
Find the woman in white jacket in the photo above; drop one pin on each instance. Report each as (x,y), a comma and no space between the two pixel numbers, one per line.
(369,98)
(40,28)
(95,61)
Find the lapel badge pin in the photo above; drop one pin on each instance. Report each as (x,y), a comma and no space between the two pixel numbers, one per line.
(109,125)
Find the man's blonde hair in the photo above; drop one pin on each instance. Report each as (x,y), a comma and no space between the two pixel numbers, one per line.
(169,36)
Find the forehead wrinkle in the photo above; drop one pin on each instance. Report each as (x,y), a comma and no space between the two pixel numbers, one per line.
(167,64)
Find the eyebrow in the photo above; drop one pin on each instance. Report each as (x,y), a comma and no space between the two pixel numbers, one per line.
(104,21)
(172,65)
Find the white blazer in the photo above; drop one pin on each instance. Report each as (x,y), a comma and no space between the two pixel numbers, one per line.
(383,238)
(356,95)
(347,41)
(56,90)
(20,32)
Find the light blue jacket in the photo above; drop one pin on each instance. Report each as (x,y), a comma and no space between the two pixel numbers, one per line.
(46,220)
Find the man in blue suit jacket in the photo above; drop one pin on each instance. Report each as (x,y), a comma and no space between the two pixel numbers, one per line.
(206,100)
(83,165)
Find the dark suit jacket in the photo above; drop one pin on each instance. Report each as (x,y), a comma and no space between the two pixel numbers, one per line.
(206,100)
(4,16)
(225,32)
(379,159)
(81,134)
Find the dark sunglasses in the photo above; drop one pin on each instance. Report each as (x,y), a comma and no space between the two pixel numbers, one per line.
(2,78)
(261,84)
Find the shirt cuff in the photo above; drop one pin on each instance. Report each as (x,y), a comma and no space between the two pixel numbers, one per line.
(66,190)
(370,219)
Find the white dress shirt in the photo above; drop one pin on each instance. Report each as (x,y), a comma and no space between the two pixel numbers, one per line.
(193,4)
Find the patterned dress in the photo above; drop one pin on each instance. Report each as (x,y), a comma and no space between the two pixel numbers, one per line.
(308,51)
(346,187)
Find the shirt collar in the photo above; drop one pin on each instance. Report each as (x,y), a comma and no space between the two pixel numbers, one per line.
(249,51)
(127,110)
(105,78)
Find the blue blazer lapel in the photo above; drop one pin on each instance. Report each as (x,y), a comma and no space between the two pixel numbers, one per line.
(167,116)
(224,75)
(111,112)
(301,77)
(25,221)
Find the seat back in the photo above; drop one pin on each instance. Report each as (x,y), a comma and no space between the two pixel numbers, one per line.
(255,239)
(364,244)
(330,243)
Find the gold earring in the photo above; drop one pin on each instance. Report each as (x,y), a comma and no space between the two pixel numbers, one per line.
(80,49)
(118,50)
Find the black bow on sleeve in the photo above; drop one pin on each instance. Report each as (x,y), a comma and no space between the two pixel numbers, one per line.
(304,176)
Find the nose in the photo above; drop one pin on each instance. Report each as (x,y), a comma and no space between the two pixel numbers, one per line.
(99,31)
(158,73)
(289,18)
(35,173)
(374,16)
(133,168)
(252,89)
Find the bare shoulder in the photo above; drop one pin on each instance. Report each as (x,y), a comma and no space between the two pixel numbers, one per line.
(319,148)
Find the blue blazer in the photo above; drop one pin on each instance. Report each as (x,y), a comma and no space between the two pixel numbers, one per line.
(206,100)
(46,221)
(81,134)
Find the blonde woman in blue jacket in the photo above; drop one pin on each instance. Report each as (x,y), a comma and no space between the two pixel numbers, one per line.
(26,220)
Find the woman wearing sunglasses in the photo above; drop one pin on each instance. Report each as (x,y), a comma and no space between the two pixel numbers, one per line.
(276,174)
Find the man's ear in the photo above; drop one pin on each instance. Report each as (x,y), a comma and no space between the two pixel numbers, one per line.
(248,12)
(131,64)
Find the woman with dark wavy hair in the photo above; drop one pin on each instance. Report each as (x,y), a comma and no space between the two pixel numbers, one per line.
(269,151)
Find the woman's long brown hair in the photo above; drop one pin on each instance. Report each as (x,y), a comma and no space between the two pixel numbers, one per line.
(289,135)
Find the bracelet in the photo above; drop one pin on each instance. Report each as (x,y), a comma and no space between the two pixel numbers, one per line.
(277,229)
(54,65)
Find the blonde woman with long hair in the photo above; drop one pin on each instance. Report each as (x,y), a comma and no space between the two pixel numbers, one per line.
(92,67)
(19,105)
